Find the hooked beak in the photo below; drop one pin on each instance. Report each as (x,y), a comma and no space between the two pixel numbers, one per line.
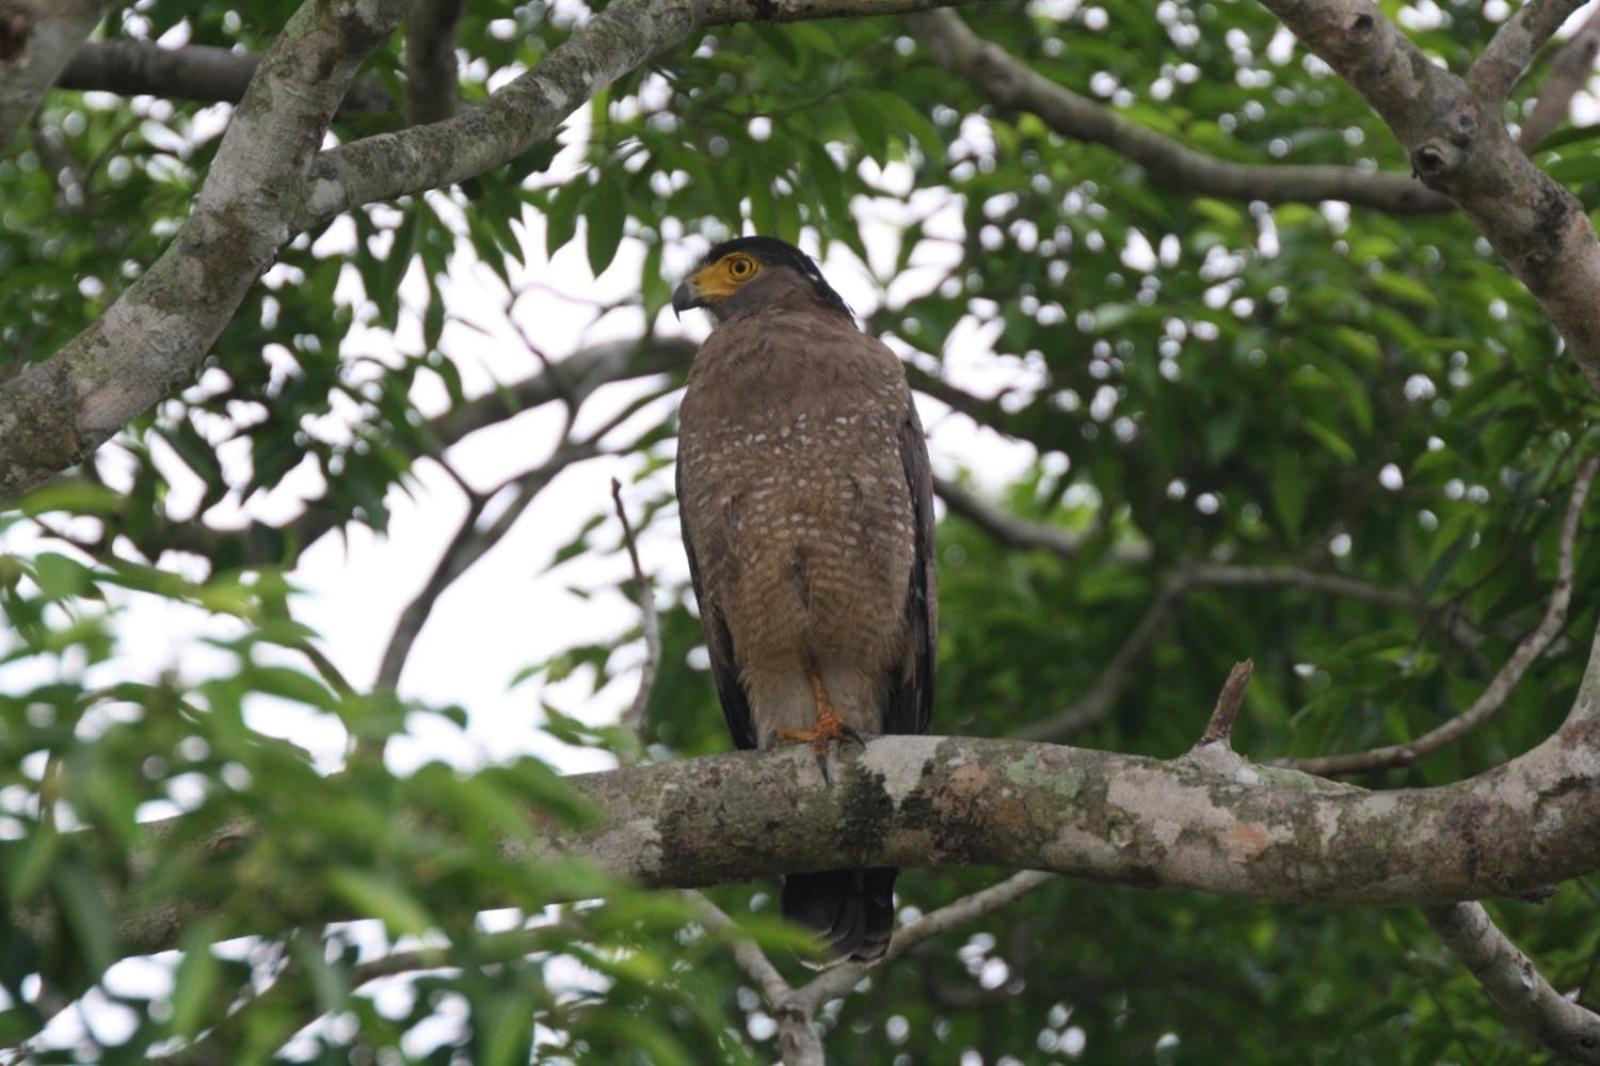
(686,297)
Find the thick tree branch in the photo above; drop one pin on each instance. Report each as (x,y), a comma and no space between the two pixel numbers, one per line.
(1515,985)
(525,112)
(203,73)
(1500,686)
(56,412)
(1010,83)
(1513,47)
(948,801)
(1569,71)
(149,342)
(37,38)
(431,59)
(1462,149)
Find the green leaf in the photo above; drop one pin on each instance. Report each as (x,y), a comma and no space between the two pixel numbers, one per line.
(1330,440)
(194,984)
(60,577)
(379,897)
(71,495)
(561,215)
(604,219)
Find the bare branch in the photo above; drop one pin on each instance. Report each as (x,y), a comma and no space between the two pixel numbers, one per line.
(1514,983)
(1096,703)
(1003,526)
(431,59)
(465,548)
(469,545)
(1569,71)
(571,380)
(633,717)
(798,1040)
(37,37)
(746,952)
(1513,47)
(1010,83)
(796,1008)
(1298,577)
(203,73)
(1022,534)
(1501,685)
(839,980)
(1219,730)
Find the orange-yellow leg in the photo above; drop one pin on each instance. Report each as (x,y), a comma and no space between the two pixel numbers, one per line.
(829,726)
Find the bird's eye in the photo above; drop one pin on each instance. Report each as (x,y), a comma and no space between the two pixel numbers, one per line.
(741,268)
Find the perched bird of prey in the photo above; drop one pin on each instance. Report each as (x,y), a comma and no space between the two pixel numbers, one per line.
(807,510)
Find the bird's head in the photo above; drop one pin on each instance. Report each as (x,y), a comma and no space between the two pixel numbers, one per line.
(753,272)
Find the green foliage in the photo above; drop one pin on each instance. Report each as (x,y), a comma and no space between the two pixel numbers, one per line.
(1202,380)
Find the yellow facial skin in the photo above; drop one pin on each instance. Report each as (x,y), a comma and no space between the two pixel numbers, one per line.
(721,279)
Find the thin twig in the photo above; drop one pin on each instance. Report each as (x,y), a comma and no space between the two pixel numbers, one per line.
(1570,68)
(457,558)
(466,548)
(1501,685)
(1508,53)
(1513,982)
(795,1008)
(836,982)
(325,667)
(633,718)
(1096,703)
(798,1040)
(1220,728)
(1298,577)
(746,952)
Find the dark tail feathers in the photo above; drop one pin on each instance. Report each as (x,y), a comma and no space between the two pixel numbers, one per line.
(852,911)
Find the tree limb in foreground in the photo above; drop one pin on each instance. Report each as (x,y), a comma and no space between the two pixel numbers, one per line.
(1253,831)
